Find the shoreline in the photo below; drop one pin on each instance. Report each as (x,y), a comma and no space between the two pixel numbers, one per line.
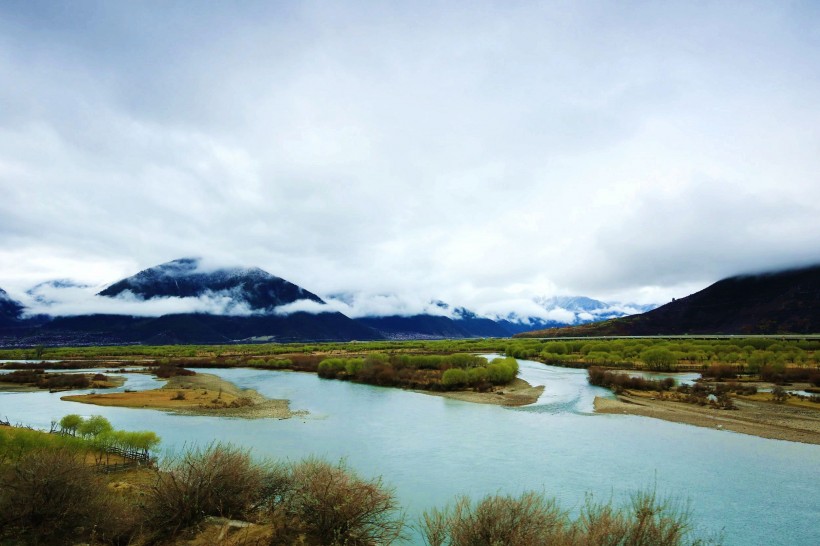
(762,419)
(517,393)
(200,394)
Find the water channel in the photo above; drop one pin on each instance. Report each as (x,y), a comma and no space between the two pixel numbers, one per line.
(431,449)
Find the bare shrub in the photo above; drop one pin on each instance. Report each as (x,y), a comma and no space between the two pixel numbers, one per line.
(330,505)
(533,519)
(50,496)
(219,480)
(512,521)
(779,394)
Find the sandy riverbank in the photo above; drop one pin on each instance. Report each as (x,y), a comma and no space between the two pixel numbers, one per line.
(764,419)
(517,393)
(200,394)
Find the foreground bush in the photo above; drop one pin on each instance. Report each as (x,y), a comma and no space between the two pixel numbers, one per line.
(496,520)
(50,497)
(330,505)
(532,519)
(219,480)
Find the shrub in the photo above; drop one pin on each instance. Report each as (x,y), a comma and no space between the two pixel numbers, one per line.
(166,371)
(779,394)
(720,372)
(330,505)
(502,370)
(658,359)
(49,495)
(219,480)
(522,521)
(532,519)
(454,377)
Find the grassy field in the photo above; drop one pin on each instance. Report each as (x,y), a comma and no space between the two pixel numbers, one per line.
(747,354)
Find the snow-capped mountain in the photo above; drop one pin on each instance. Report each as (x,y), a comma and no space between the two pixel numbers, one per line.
(581,309)
(47,292)
(188,301)
(252,287)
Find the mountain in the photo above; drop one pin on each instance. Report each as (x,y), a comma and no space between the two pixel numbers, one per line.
(453,323)
(585,309)
(767,303)
(245,309)
(460,322)
(187,278)
(10,309)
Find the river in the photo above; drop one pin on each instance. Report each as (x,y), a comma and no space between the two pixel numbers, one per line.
(431,449)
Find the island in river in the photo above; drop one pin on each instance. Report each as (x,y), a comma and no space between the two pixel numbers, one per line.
(208,394)
(200,394)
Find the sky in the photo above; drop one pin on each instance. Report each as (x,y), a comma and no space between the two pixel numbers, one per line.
(483,153)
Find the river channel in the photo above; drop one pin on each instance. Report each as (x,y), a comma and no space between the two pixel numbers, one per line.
(758,491)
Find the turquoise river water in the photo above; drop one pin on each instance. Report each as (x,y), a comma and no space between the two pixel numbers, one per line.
(431,449)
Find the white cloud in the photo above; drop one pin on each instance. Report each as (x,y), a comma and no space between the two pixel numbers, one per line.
(431,151)
(80,300)
(303,306)
(380,305)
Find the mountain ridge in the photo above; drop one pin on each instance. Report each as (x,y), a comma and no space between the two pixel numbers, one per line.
(764,303)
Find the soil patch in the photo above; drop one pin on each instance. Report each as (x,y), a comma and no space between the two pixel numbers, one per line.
(758,418)
(517,393)
(200,394)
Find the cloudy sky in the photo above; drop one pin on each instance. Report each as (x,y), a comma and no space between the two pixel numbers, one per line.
(477,152)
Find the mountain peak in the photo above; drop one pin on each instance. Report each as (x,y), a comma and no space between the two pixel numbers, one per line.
(191,278)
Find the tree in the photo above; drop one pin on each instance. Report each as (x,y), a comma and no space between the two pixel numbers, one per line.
(94,426)
(70,423)
(658,359)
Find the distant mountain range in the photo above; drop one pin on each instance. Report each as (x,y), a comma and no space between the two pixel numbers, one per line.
(185,301)
(767,303)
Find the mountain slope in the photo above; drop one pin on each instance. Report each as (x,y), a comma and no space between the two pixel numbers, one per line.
(10,309)
(187,278)
(245,302)
(768,303)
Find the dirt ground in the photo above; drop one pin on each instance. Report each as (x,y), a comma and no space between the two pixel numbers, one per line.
(755,417)
(517,393)
(200,394)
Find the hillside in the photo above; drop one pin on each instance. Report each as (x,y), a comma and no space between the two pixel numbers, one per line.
(768,303)
(243,304)
(10,309)
(187,278)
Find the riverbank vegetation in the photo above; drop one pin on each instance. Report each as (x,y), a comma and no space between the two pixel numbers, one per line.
(423,372)
(38,378)
(50,495)
(658,354)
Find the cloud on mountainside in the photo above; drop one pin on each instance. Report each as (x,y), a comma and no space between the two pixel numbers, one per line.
(67,298)
(82,300)
(473,152)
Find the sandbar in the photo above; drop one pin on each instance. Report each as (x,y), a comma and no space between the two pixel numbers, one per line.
(200,394)
(517,393)
(754,417)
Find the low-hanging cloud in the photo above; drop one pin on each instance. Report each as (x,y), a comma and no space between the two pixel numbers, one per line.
(82,300)
(363,304)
